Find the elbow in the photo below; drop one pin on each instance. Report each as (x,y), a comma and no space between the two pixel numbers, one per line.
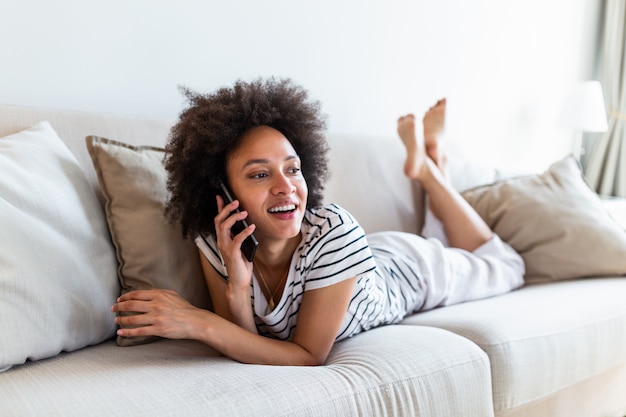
(316,362)
(307,358)
(315,355)
(310,363)
(299,360)
(314,358)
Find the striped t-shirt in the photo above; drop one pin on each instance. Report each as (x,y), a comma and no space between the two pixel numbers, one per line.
(333,248)
(397,273)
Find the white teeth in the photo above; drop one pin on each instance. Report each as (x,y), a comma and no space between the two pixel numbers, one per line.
(288,207)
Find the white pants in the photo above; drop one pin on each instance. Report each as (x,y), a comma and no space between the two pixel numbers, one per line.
(459,275)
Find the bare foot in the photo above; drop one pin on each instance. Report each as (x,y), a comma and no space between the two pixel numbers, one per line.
(434,123)
(415,162)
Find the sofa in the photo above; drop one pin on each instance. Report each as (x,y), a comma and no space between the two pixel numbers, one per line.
(82,196)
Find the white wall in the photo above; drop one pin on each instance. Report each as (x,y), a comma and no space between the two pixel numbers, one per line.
(504,65)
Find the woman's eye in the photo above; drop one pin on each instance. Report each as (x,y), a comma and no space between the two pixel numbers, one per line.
(258,176)
(294,170)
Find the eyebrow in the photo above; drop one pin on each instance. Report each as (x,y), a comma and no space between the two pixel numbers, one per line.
(267,161)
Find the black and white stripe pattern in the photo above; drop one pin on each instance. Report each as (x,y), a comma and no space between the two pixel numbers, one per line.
(334,248)
(397,273)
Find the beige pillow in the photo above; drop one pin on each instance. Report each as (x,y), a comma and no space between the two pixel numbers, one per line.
(556,222)
(150,251)
(57,266)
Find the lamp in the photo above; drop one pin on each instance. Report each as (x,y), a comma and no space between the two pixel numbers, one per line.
(583,110)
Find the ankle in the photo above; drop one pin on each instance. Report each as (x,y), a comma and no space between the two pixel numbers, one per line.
(428,173)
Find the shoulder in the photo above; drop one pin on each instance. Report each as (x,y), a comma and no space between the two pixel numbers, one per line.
(330,229)
(328,217)
(208,248)
(330,223)
(334,247)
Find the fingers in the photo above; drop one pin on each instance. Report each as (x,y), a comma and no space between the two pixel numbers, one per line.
(241,236)
(136,332)
(167,314)
(137,325)
(226,218)
(225,210)
(139,301)
(140,312)
(132,318)
(144,295)
(227,215)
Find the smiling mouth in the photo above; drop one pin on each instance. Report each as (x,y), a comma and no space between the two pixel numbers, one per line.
(283,209)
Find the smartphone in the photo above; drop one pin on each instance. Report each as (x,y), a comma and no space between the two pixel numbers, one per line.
(248,247)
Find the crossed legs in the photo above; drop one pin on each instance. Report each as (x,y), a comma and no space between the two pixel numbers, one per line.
(426,163)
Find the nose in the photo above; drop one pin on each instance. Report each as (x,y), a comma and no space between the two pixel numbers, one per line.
(282,185)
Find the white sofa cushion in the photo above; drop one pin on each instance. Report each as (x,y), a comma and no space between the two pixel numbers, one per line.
(394,370)
(543,338)
(57,267)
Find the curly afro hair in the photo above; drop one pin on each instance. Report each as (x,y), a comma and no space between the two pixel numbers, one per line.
(210,128)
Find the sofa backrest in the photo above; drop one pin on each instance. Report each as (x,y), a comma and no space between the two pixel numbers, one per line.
(367,179)
(73,126)
(366,172)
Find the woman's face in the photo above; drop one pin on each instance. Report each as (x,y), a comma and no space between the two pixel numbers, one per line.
(264,175)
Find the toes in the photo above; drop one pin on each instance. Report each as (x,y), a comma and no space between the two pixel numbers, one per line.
(407,116)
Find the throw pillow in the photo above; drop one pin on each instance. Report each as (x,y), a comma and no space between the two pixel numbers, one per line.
(151,252)
(57,265)
(555,222)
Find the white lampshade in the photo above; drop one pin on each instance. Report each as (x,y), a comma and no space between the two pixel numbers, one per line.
(583,108)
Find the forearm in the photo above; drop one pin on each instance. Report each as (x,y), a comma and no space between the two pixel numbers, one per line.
(240,308)
(230,301)
(247,347)
(321,313)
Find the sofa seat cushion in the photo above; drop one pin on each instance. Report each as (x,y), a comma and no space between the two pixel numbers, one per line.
(544,337)
(394,370)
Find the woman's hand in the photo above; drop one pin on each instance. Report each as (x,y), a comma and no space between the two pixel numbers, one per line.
(231,299)
(238,267)
(163,313)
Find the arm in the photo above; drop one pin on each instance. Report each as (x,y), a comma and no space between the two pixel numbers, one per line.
(231,298)
(229,302)
(320,317)
(166,314)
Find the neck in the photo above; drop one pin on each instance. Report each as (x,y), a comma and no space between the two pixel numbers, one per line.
(275,255)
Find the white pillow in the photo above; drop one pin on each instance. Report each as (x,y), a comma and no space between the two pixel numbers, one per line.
(57,265)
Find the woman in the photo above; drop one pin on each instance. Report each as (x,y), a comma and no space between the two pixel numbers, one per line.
(316,277)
